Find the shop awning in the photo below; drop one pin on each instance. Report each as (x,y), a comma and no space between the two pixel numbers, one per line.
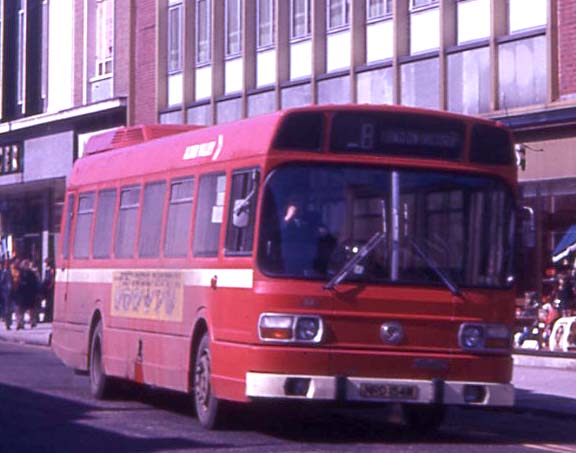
(566,245)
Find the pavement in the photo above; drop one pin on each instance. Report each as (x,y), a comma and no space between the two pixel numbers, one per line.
(41,335)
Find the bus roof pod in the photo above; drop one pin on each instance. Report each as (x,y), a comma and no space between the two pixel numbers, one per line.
(132,135)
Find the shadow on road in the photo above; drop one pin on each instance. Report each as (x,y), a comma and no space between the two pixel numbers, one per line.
(35,422)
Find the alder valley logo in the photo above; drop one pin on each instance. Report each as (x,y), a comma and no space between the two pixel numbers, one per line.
(207,149)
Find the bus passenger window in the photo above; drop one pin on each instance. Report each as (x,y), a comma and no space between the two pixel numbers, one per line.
(179,218)
(151,221)
(127,218)
(209,214)
(242,211)
(83,225)
(104,223)
(68,226)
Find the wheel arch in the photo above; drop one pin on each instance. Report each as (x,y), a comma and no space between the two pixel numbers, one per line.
(96,318)
(200,329)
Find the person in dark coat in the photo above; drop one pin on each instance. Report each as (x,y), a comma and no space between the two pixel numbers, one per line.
(5,294)
(15,295)
(29,293)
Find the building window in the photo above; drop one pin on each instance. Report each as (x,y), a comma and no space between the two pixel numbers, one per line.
(11,158)
(376,9)
(104,37)
(175,38)
(527,14)
(209,214)
(233,27)
(102,241)
(127,222)
(83,225)
(266,22)
(301,19)
(423,3)
(338,14)
(522,72)
(473,20)
(179,218)
(203,31)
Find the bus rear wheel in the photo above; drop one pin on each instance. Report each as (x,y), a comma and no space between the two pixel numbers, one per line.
(209,409)
(100,384)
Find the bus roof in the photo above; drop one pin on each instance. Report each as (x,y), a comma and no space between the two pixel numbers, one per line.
(139,150)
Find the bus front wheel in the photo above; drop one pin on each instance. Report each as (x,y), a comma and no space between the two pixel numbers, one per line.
(209,409)
(100,384)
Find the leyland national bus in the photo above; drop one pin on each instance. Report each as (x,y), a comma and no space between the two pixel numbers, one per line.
(349,254)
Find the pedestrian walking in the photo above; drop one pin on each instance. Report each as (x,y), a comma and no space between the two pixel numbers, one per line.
(29,292)
(15,295)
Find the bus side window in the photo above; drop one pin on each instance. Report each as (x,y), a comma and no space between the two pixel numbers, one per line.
(151,220)
(242,212)
(68,226)
(104,223)
(127,221)
(209,214)
(179,218)
(83,225)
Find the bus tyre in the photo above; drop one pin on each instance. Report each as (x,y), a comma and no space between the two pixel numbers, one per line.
(209,409)
(424,418)
(100,384)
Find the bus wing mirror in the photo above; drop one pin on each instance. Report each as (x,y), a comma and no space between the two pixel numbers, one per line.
(241,213)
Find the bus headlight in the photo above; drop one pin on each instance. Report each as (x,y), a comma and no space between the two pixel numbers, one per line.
(484,337)
(284,328)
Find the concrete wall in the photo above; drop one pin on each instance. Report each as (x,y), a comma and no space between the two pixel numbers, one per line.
(48,157)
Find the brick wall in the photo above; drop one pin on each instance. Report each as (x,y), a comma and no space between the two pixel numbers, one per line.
(567,46)
(144,102)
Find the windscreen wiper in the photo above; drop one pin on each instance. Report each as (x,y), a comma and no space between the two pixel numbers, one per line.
(363,252)
(441,275)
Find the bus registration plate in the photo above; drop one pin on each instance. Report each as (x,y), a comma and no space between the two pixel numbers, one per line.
(389,391)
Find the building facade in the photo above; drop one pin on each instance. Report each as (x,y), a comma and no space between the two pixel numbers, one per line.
(98,64)
(61,80)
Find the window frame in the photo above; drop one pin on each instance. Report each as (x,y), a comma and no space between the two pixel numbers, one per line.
(345,13)
(386,10)
(306,20)
(98,212)
(83,250)
(104,39)
(174,38)
(244,182)
(69,220)
(179,202)
(233,35)
(416,5)
(266,29)
(202,229)
(203,24)
(145,226)
(119,218)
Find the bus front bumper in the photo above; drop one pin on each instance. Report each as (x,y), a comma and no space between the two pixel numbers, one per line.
(358,389)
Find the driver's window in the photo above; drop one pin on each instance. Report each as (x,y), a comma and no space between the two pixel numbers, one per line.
(242,212)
